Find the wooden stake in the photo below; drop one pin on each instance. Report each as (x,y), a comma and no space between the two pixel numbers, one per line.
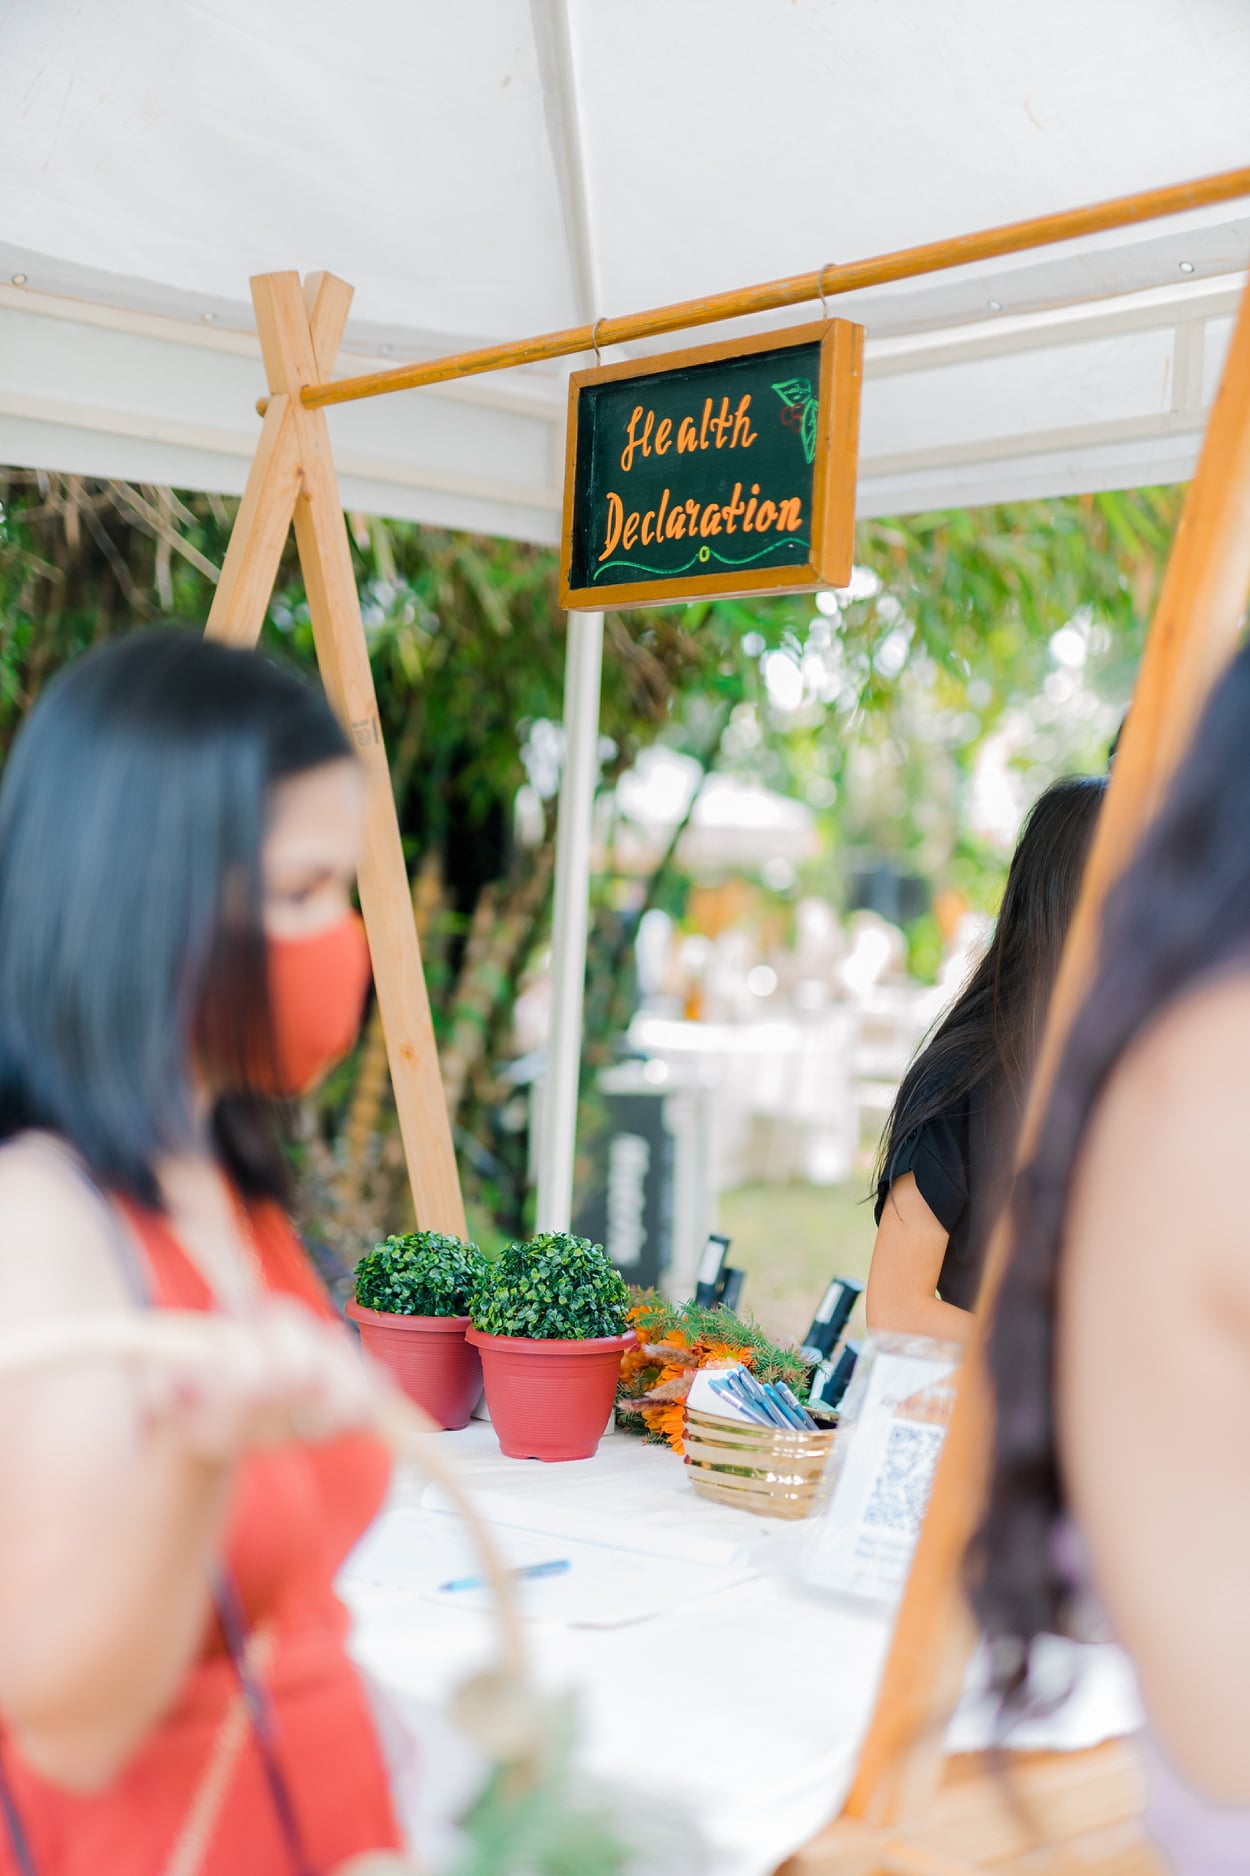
(1193,634)
(293,478)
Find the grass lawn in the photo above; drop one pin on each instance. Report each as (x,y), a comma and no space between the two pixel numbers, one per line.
(790,1240)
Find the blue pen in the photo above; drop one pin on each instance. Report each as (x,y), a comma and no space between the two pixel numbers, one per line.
(767,1405)
(791,1400)
(727,1391)
(792,1406)
(556,1567)
(774,1393)
(753,1398)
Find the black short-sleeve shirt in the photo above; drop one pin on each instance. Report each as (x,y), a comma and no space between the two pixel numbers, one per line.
(961,1161)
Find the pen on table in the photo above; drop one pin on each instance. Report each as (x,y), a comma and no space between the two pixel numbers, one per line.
(556,1567)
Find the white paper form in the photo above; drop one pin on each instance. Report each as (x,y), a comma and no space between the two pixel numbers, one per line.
(419,1550)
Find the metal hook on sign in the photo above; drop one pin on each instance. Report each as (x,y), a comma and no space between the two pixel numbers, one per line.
(594,340)
(824,304)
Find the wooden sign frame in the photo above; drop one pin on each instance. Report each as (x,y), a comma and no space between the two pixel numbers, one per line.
(834,469)
(909,1812)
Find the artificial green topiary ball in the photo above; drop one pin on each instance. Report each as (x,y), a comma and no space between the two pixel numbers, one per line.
(553,1288)
(424,1273)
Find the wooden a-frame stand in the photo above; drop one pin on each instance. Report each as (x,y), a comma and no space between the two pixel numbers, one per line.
(292,478)
(911,1811)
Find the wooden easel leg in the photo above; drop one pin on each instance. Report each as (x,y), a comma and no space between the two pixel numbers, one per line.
(385,897)
(293,477)
(1193,633)
(260,531)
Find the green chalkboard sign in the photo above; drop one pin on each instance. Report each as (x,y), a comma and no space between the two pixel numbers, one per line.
(723,469)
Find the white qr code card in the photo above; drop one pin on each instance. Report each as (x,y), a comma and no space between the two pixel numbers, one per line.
(890,1436)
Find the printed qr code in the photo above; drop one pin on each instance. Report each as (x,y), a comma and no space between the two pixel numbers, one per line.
(900,1491)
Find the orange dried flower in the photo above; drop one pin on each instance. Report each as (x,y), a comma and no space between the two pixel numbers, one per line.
(712,1352)
(634,1361)
(670,1421)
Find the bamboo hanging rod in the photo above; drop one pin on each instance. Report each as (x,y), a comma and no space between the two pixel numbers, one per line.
(932,257)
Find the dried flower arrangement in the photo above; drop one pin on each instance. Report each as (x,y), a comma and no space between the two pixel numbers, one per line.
(675,1340)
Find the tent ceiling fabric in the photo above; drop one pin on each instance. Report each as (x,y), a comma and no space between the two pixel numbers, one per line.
(490,169)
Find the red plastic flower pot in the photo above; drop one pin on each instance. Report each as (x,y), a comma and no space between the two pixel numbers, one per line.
(429,1357)
(550,1399)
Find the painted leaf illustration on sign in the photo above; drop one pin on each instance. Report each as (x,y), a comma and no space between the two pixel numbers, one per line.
(799,414)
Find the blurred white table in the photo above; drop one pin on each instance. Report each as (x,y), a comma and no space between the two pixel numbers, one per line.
(782,1100)
(706,1672)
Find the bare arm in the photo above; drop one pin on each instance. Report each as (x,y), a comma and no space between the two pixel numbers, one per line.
(906,1264)
(114,1486)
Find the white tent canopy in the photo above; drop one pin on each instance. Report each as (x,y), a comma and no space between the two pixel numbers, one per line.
(486,169)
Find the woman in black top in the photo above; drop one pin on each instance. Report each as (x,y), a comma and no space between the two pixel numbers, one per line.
(948,1146)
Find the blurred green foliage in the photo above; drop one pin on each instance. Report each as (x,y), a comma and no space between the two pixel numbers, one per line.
(944,645)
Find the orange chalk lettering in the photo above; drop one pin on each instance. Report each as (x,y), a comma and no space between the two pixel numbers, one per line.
(616,515)
(743,435)
(631,440)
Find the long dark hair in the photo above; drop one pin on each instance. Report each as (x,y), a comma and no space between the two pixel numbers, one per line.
(132,814)
(1180,911)
(991,1032)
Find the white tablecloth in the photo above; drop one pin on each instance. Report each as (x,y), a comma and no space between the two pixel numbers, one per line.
(706,1671)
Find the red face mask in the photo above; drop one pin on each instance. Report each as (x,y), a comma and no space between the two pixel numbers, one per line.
(317,991)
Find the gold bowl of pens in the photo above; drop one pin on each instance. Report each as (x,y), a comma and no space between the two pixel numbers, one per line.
(773,1470)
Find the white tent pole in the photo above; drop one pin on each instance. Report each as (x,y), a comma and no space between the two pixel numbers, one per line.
(583,664)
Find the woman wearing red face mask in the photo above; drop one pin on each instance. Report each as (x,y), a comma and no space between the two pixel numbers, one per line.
(179,827)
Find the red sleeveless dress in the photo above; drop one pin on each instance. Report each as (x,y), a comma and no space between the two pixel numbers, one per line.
(296,1513)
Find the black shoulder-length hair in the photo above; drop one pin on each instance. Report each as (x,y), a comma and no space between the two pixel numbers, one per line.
(991,1032)
(1180,911)
(132,815)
